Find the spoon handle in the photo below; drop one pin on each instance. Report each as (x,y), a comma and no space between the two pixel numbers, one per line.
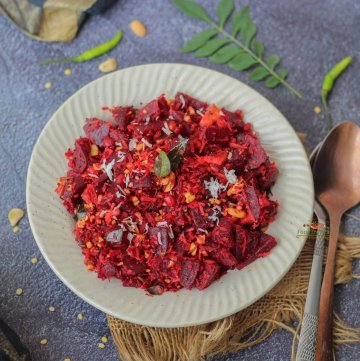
(309,326)
(324,349)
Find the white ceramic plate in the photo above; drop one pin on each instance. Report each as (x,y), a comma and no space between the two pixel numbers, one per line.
(52,225)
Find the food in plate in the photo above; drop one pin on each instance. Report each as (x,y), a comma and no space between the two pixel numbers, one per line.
(171,195)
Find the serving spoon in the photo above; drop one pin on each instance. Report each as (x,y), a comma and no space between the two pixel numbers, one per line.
(337,187)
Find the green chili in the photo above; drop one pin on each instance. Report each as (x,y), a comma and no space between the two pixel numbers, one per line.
(91,53)
(328,84)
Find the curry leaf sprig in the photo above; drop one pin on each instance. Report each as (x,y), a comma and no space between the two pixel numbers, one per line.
(240,48)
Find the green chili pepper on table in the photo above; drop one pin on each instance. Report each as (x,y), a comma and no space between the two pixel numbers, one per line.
(91,53)
(328,84)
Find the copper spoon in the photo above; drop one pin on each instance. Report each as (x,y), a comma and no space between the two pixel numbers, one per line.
(337,187)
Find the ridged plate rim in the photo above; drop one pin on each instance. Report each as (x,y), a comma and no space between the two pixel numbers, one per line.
(52,227)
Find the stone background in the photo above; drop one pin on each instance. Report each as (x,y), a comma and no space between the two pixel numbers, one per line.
(310,35)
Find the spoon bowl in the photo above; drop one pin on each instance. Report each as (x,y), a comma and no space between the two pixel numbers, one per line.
(337,168)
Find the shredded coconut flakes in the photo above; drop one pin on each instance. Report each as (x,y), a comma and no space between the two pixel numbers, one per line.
(108,168)
(214,217)
(182,99)
(132,144)
(214,186)
(127,180)
(146,142)
(230,176)
(159,239)
(161,224)
(171,233)
(121,156)
(166,129)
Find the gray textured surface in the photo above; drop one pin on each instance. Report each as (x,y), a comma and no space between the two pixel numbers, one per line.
(310,36)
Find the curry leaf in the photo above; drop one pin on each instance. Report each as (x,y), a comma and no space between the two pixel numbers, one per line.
(242,62)
(225,54)
(273,60)
(283,73)
(273,82)
(198,40)
(259,73)
(259,48)
(248,32)
(239,20)
(224,10)
(210,47)
(162,166)
(193,9)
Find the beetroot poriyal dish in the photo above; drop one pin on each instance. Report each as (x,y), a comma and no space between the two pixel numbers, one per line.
(169,196)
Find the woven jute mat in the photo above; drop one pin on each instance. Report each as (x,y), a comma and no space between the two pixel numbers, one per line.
(281,308)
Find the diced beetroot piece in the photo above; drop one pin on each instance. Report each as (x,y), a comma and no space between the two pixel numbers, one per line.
(253,239)
(107,271)
(223,233)
(177,115)
(96,130)
(160,236)
(270,176)
(208,275)
(122,116)
(145,182)
(256,152)
(178,246)
(238,159)
(200,220)
(73,187)
(216,135)
(131,267)
(225,257)
(99,182)
(234,118)
(163,105)
(186,100)
(241,242)
(81,153)
(266,244)
(150,110)
(189,271)
(252,201)
(179,220)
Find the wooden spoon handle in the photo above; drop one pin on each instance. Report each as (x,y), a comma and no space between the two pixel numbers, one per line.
(324,349)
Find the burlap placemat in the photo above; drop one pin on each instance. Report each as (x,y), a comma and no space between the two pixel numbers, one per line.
(281,308)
